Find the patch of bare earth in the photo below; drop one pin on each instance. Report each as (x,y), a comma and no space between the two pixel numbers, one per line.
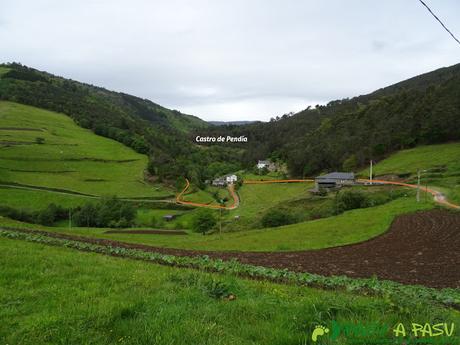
(420,248)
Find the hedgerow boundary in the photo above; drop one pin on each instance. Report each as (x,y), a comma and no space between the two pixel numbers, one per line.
(372,287)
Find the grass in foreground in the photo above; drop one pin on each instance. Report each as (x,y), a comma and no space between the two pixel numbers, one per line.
(349,227)
(59,296)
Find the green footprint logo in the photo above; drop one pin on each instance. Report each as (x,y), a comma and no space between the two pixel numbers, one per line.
(319,331)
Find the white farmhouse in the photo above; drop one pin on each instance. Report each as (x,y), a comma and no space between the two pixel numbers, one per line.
(224,180)
(231,179)
(269,165)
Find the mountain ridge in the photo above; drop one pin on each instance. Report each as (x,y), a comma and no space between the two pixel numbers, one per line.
(148,128)
(424,109)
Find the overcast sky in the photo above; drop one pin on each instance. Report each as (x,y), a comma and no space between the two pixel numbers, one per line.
(231,59)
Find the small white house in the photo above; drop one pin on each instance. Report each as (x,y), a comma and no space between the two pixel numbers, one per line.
(262,164)
(231,179)
(224,180)
(266,164)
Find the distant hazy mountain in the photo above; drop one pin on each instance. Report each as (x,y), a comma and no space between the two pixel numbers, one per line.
(236,123)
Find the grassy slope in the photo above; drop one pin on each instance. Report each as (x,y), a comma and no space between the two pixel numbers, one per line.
(442,163)
(71,158)
(38,200)
(421,157)
(58,296)
(255,199)
(350,227)
(3,70)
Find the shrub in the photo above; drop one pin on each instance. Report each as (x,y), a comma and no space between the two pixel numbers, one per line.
(275,218)
(203,221)
(50,214)
(153,221)
(13,213)
(47,216)
(107,212)
(349,200)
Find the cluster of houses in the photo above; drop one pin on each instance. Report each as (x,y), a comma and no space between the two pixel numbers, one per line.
(224,180)
(331,181)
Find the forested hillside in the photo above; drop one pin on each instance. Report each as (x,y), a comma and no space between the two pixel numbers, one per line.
(346,133)
(138,123)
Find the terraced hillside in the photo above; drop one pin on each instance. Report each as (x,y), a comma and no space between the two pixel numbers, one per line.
(40,149)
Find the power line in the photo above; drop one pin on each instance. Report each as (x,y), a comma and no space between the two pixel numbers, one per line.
(439,20)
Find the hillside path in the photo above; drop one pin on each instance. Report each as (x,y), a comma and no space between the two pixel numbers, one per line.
(438,197)
(231,190)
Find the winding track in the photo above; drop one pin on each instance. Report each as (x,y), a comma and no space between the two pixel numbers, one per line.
(231,189)
(419,248)
(437,195)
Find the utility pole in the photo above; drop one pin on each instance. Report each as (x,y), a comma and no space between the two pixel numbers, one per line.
(418,185)
(220,215)
(370,172)
(426,190)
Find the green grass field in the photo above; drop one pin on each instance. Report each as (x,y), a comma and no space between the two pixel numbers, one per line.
(440,166)
(257,198)
(54,295)
(209,196)
(421,157)
(349,227)
(69,157)
(38,200)
(3,70)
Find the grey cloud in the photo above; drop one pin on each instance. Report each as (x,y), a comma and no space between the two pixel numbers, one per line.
(231,60)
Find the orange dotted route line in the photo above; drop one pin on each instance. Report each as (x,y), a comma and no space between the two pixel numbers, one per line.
(231,189)
(438,196)
(275,181)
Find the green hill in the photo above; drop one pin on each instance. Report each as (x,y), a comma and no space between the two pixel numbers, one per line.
(439,166)
(146,127)
(47,150)
(345,134)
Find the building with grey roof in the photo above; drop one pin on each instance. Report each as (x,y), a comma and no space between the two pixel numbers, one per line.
(334,180)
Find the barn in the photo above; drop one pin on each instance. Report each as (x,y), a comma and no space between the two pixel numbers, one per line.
(334,180)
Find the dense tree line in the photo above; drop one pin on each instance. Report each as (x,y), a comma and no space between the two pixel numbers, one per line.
(346,134)
(107,212)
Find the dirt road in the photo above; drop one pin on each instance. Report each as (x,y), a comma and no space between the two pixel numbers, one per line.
(231,190)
